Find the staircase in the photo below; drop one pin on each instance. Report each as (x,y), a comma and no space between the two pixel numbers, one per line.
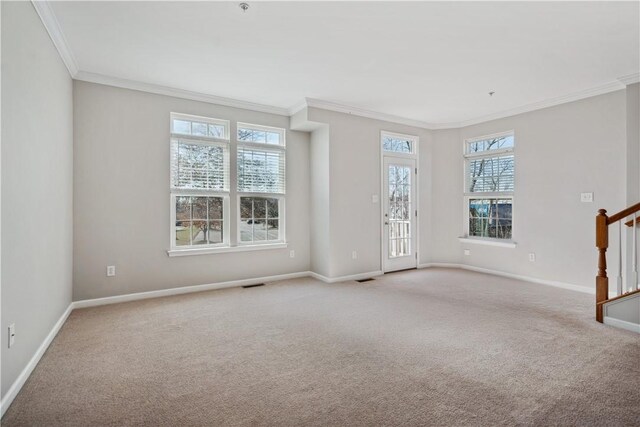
(622,309)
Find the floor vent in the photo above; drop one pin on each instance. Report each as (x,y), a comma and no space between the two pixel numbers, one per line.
(253,286)
(365,280)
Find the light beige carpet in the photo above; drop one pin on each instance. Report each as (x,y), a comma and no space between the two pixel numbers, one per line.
(428,347)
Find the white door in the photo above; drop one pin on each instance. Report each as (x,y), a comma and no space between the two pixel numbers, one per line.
(399,214)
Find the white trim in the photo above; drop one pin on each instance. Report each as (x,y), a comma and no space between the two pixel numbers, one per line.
(226,124)
(280,242)
(414,139)
(630,79)
(26,372)
(345,278)
(331,106)
(551,102)
(386,158)
(415,155)
(198,249)
(510,132)
(488,242)
(225,249)
(51,24)
(622,324)
(185,290)
(262,128)
(361,112)
(553,283)
(178,93)
(297,107)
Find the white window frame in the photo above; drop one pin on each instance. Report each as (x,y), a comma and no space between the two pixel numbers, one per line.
(391,154)
(191,192)
(414,144)
(225,220)
(281,222)
(263,146)
(261,128)
(209,120)
(230,193)
(466,238)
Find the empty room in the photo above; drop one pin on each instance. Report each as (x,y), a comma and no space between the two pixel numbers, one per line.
(359,213)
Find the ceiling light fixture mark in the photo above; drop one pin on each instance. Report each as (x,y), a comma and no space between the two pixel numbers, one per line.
(244,6)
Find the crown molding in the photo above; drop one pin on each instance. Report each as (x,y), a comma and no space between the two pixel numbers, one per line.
(630,79)
(618,84)
(356,111)
(178,93)
(551,102)
(298,107)
(51,24)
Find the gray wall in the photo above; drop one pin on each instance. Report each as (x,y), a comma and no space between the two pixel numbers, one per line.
(633,143)
(354,176)
(37,160)
(320,201)
(560,151)
(121,196)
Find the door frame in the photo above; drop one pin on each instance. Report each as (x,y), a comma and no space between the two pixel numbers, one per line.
(389,154)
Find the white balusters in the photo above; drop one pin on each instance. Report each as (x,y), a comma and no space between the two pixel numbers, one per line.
(619,288)
(634,259)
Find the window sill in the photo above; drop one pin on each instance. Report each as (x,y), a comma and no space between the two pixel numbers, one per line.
(489,242)
(224,249)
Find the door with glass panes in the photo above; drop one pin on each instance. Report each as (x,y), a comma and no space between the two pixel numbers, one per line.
(399,213)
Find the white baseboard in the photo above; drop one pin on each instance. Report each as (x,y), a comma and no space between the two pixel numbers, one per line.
(24,375)
(554,283)
(440,265)
(622,324)
(345,278)
(26,372)
(185,290)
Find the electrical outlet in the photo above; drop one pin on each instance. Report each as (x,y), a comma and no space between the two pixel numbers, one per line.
(292,254)
(12,334)
(111,270)
(354,255)
(467,252)
(374,198)
(586,197)
(532,257)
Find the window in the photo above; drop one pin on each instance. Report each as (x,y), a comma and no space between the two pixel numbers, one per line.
(261,183)
(398,143)
(489,186)
(201,179)
(261,134)
(259,219)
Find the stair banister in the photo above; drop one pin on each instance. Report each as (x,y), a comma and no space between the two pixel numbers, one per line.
(602,243)
(603,221)
(634,259)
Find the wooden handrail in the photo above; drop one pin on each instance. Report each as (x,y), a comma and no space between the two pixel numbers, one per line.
(620,296)
(623,214)
(602,243)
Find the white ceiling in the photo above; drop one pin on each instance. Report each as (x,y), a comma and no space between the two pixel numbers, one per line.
(429,61)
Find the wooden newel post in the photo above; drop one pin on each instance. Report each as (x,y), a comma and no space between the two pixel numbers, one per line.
(602,243)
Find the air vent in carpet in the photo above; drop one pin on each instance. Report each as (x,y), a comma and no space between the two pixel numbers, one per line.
(253,286)
(365,280)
